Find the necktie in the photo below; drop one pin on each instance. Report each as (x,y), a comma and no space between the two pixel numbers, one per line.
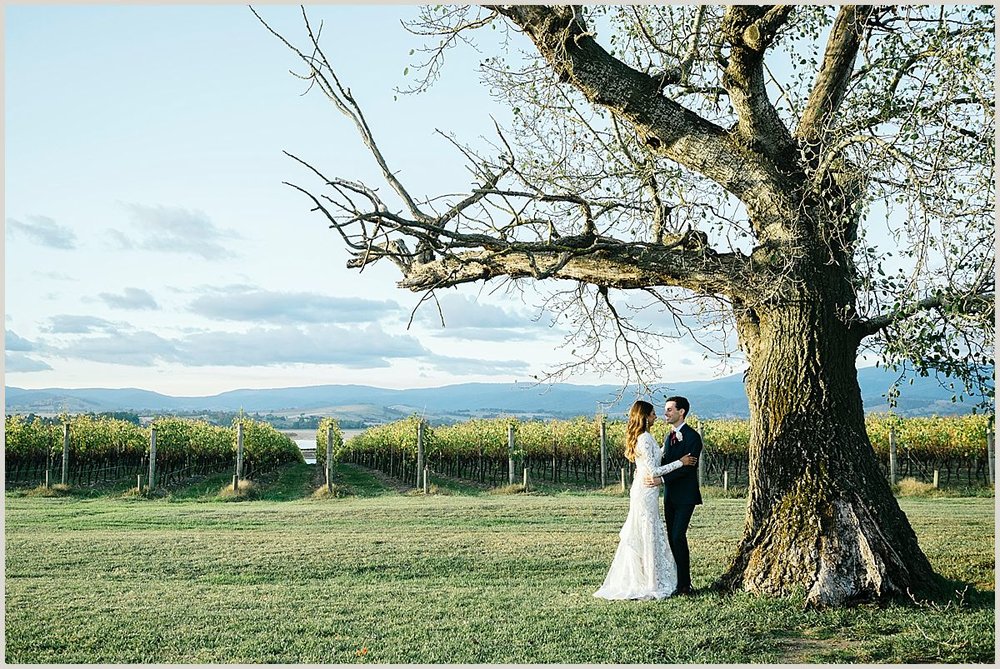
(673,437)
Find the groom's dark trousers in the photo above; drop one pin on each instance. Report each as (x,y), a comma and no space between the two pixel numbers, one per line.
(681,494)
(678,518)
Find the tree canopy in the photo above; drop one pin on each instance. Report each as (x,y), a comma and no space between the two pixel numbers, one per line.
(695,133)
(818,178)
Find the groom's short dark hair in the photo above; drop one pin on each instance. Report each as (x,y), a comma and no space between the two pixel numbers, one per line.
(681,403)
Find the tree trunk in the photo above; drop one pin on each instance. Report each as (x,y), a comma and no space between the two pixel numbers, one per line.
(821,517)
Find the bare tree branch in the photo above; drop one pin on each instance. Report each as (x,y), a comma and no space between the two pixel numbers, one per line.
(597,262)
(750,30)
(667,127)
(431,67)
(978,302)
(835,72)
(322,74)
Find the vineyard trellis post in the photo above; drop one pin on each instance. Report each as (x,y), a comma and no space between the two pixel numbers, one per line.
(892,455)
(555,461)
(604,453)
(427,479)
(239,456)
(329,457)
(65,458)
(482,467)
(990,451)
(420,451)
(525,479)
(510,453)
(152,458)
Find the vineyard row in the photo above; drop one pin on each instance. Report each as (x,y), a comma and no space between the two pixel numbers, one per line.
(84,450)
(492,450)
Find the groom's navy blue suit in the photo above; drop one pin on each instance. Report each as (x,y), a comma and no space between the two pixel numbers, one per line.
(681,494)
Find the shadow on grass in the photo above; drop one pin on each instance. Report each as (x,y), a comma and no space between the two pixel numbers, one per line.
(944,596)
(949,594)
(289,482)
(58,490)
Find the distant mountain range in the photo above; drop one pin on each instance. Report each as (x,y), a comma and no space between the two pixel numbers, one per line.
(722,397)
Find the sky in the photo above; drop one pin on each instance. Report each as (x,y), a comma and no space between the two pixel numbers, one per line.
(149,239)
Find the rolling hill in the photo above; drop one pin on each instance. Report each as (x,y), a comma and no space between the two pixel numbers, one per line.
(722,397)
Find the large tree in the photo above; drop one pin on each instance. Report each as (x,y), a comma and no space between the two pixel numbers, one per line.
(822,175)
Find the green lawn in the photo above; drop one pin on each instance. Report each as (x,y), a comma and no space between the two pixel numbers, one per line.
(465,577)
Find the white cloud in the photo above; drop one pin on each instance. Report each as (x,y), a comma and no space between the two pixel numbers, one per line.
(19,362)
(248,303)
(467,318)
(75,324)
(56,276)
(14,342)
(176,230)
(44,231)
(139,348)
(356,348)
(326,344)
(477,366)
(121,240)
(132,298)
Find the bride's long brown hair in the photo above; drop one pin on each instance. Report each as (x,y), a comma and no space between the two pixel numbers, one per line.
(638,422)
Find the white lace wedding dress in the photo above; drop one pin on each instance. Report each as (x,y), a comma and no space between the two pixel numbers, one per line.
(643,566)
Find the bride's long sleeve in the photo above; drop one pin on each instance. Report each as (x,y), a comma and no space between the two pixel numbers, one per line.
(649,450)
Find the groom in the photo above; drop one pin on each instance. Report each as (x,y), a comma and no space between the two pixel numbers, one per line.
(681,487)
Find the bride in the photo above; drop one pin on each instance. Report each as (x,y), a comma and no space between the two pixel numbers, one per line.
(643,566)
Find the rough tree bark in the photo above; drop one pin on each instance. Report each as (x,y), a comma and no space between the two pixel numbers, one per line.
(821,516)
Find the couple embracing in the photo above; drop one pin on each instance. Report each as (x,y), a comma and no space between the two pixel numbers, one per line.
(651,563)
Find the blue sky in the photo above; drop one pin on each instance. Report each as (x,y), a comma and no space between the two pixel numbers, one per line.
(150,243)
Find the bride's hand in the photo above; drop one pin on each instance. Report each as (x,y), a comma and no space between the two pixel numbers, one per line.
(688,460)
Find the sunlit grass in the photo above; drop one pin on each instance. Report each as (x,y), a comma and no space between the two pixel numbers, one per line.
(466,577)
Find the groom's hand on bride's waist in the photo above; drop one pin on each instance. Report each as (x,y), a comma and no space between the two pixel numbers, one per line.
(652,481)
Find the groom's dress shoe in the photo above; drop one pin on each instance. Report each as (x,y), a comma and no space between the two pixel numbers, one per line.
(684,591)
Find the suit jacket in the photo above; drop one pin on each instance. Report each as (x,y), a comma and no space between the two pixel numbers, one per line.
(681,485)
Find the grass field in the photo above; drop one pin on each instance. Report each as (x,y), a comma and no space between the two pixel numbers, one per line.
(463,576)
